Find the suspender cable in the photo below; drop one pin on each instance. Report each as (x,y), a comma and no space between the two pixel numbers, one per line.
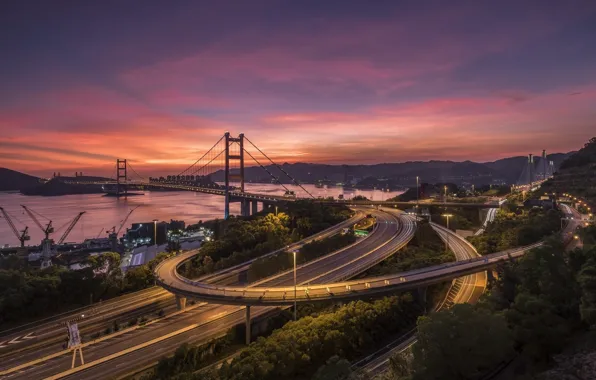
(197,161)
(264,168)
(279,167)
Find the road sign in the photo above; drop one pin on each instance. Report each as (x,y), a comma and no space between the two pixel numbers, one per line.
(360,232)
(74,336)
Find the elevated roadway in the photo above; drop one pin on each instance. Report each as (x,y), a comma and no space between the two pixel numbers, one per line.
(44,337)
(206,321)
(169,278)
(466,289)
(270,199)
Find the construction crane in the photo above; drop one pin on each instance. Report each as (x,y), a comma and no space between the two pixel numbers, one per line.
(48,229)
(23,236)
(113,233)
(70,227)
(99,234)
(123,222)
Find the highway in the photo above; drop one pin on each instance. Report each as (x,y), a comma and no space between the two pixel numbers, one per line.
(345,290)
(37,339)
(463,289)
(467,289)
(206,321)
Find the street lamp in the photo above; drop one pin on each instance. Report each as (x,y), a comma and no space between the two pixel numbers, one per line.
(417,195)
(295,307)
(445,188)
(155,231)
(447,236)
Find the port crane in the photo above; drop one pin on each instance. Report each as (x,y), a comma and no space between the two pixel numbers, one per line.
(70,227)
(48,229)
(46,243)
(113,233)
(23,236)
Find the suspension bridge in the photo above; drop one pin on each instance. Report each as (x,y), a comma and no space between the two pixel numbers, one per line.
(229,156)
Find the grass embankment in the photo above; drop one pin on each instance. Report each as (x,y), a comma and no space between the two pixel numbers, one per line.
(425,249)
(282,261)
(240,239)
(517,227)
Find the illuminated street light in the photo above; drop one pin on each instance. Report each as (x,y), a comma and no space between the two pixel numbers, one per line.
(447,237)
(417,195)
(295,307)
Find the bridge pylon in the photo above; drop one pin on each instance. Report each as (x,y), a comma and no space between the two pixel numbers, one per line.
(121,176)
(233,156)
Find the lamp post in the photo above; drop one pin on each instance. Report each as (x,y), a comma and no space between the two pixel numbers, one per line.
(447,237)
(155,231)
(445,196)
(295,308)
(417,195)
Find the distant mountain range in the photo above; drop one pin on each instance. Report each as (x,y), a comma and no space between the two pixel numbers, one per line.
(507,170)
(393,175)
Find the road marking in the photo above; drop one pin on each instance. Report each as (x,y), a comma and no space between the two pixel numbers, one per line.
(17,340)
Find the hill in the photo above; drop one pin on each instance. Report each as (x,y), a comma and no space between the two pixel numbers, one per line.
(11,180)
(58,186)
(577,174)
(394,175)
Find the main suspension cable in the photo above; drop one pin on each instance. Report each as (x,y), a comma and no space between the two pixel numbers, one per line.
(279,167)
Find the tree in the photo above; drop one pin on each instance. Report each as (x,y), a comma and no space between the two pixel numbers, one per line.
(460,343)
(399,366)
(587,283)
(537,328)
(336,368)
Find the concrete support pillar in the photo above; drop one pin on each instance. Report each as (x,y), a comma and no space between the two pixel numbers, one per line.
(248,334)
(245,207)
(254,208)
(181,302)
(422,296)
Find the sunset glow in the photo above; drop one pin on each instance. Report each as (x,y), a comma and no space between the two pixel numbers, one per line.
(340,82)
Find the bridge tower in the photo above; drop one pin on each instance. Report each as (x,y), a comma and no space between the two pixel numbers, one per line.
(233,157)
(545,165)
(121,176)
(531,168)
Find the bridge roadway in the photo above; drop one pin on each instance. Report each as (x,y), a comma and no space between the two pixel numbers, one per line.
(203,322)
(466,289)
(377,363)
(268,198)
(45,337)
(169,278)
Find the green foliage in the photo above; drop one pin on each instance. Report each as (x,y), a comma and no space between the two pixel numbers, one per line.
(460,343)
(336,368)
(300,348)
(31,293)
(425,249)
(268,266)
(537,328)
(238,240)
(188,359)
(510,230)
(587,283)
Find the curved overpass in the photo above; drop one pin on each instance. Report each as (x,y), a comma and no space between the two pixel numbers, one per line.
(272,293)
(392,232)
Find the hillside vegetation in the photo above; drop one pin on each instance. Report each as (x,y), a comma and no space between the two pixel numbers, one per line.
(577,174)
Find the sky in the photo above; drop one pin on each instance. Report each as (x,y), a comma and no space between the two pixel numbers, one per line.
(158,82)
